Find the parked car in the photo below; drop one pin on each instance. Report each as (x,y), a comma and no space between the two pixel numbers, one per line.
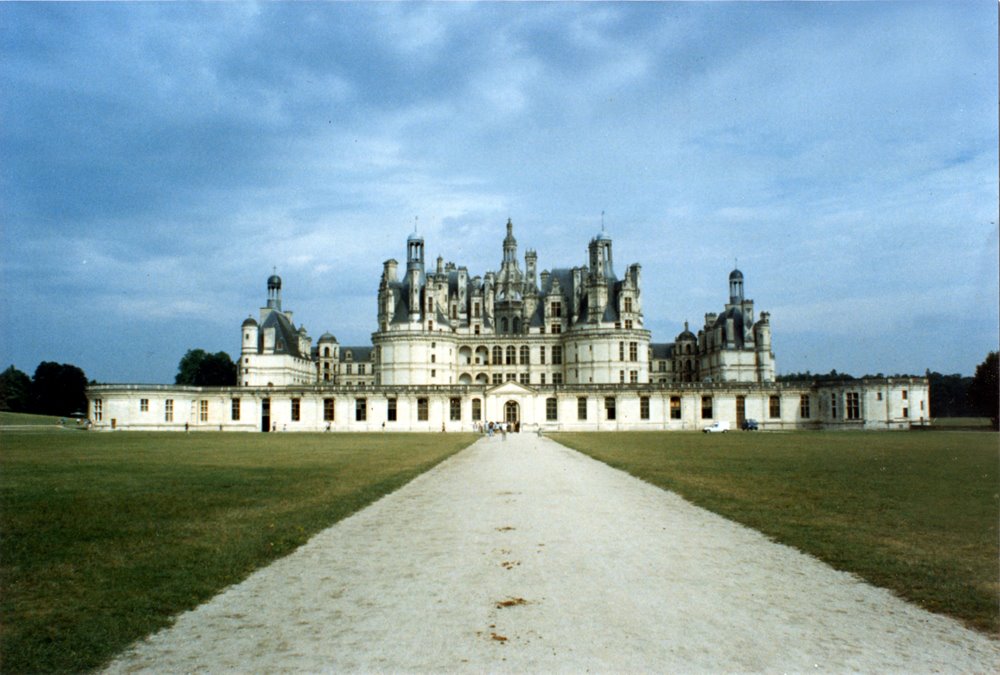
(750,425)
(717,428)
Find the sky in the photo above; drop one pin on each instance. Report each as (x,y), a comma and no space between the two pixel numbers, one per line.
(159,161)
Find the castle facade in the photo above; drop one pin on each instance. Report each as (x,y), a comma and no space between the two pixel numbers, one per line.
(559,349)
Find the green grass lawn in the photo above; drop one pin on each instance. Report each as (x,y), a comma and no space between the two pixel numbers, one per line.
(916,513)
(105,537)
(25,419)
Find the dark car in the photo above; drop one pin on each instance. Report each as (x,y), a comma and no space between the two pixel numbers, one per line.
(750,425)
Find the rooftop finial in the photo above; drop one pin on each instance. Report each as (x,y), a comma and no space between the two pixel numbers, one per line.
(602,221)
(415,219)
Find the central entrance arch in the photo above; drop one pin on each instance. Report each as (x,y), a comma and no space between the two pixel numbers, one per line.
(511,412)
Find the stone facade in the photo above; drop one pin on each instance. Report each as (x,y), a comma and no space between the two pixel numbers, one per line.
(560,349)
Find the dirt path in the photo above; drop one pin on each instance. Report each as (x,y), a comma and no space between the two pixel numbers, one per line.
(526,556)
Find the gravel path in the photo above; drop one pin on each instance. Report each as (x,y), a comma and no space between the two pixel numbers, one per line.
(523,555)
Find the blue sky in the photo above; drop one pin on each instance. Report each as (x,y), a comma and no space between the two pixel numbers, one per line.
(158,160)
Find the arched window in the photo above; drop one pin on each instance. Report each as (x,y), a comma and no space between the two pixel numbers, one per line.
(326,352)
(497,355)
(511,356)
(517,325)
(525,355)
(687,349)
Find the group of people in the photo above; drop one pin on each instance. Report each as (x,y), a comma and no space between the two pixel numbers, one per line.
(501,428)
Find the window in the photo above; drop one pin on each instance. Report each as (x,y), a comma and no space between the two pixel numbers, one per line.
(497,355)
(541,378)
(497,378)
(833,406)
(360,409)
(477,410)
(327,409)
(168,410)
(511,377)
(390,410)
(853,405)
(422,409)
(675,407)
(581,408)
(99,409)
(904,395)
(878,396)
(296,409)
(633,376)
(906,412)
(557,355)
(511,356)
(433,358)
(644,407)
(361,369)
(524,378)
(525,355)
(633,351)
(541,354)
(609,408)
(476,329)
(628,324)
(456,409)
(235,412)
(143,405)
(556,309)
(774,407)
(804,411)
(503,325)
(203,411)
(556,328)
(475,311)
(706,407)
(621,351)
(433,372)
(628,304)
(350,369)
(551,411)
(663,366)
(557,378)
(621,377)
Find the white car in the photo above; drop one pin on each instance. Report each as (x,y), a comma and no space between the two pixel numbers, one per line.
(717,428)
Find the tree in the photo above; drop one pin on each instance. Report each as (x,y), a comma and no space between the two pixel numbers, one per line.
(201,369)
(984,392)
(15,390)
(58,389)
(949,395)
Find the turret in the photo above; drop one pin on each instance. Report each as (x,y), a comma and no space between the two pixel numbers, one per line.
(251,332)
(530,265)
(735,287)
(274,292)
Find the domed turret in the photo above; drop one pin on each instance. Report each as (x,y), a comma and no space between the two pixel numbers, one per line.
(250,335)
(735,287)
(274,292)
(326,337)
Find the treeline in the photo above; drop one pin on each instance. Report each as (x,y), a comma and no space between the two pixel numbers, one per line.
(55,389)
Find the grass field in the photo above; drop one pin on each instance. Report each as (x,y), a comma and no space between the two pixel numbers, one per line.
(912,512)
(106,536)
(24,419)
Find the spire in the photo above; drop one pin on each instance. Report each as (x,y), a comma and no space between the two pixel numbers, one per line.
(510,245)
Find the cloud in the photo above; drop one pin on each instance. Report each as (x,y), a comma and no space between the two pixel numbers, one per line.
(845,153)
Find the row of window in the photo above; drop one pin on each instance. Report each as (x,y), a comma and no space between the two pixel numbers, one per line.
(852,404)
(510,355)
